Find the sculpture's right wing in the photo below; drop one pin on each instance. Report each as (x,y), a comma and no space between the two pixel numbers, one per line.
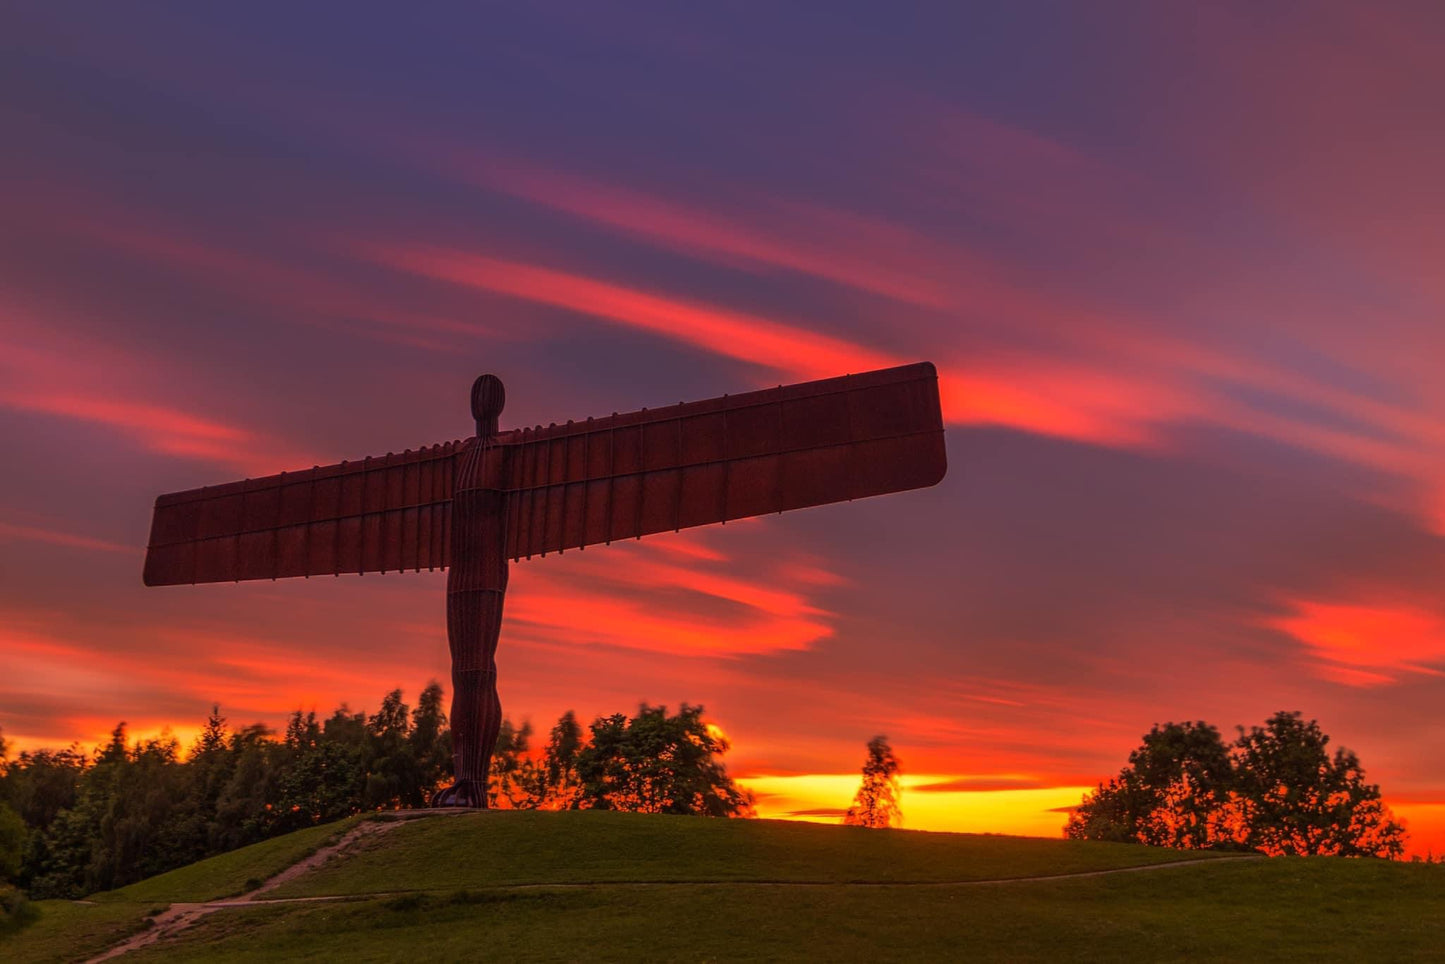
(725,458)
(376,515)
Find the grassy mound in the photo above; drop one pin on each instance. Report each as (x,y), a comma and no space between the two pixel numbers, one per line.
(71,931)
(516,848)
(548,886)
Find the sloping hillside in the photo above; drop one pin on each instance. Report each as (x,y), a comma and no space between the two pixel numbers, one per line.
(591,885)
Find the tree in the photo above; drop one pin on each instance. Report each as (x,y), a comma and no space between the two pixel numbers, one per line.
(245,809)
(561,787)
(431,741)
(876,803)
(511,781)
(1174,792)
(1299,799)
(655,763)
(42,783)
(392,774)
(92,822)
(320,776)
(12,843)
(1275,790)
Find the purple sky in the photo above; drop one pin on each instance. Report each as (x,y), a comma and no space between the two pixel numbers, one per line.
(1179,270)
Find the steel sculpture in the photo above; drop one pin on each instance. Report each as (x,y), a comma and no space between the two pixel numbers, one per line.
(470,506)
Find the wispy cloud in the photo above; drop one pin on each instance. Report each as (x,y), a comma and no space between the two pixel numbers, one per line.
(84,381)
(648,602)
(69,540)
(733,334)
(1361,644)
(849,250)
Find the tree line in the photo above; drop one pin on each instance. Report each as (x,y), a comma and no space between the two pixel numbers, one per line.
(73,823)
(1277,790)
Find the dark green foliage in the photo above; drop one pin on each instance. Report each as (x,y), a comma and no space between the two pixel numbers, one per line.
(431,741)
(655,763)
(12,843)
(520,781)
(39,785)
(1174,792)
(78,825)
(15,910)
(561,787)
(135,811)
(513,780)
(1297,798)
(392,774)
(1275,790)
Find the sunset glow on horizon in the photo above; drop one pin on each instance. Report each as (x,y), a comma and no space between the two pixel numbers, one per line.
(1178,271)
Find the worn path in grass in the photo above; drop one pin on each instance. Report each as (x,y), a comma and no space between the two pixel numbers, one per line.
(179,916)
(519,848)
(550,886)
(78,930)
(183,915)
(1256,910)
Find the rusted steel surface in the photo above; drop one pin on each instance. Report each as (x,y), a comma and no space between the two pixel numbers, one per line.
(476,590)
(377,515)
(726,458)
(567,486)
(470,506)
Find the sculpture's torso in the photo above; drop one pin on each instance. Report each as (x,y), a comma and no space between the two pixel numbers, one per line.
(476,587)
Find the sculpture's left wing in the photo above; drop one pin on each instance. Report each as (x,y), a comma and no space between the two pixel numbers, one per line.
(377,515)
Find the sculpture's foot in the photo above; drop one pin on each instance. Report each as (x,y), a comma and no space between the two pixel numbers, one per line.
(463,793)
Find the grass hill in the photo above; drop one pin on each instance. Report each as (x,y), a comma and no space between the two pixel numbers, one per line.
(596,886)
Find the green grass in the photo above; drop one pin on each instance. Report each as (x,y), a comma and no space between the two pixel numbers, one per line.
(64,931)
(67,931)
(517,847)
(228,874)
(605,886)
(1306,910)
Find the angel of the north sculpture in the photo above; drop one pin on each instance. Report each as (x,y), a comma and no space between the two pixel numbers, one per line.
(471,506)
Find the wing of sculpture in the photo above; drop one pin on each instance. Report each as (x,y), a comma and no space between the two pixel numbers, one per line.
(725,458)
(569,485)
(376,515)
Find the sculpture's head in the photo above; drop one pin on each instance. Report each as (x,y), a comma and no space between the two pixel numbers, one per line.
(488,398)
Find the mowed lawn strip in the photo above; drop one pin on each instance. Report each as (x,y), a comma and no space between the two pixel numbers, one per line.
(229,874)
(68,931)
(526,847)
(1284,909)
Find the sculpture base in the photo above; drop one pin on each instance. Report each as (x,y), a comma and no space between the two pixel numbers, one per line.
(463,793)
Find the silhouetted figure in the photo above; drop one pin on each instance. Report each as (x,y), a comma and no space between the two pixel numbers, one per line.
(476,588)
(471,506)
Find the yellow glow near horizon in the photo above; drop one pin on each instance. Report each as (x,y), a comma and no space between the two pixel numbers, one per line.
(822,798)
(1034,812)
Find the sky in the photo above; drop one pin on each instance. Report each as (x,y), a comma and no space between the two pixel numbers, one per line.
(1178,266)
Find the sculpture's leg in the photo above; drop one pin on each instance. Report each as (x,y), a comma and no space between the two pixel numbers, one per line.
(476,587)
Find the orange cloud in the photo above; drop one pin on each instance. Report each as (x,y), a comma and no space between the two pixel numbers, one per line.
(882,259)
(1367,645)
(732,334)
(647,603)
(88,382)
(309,295)
(1139,378)
(1049,397)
